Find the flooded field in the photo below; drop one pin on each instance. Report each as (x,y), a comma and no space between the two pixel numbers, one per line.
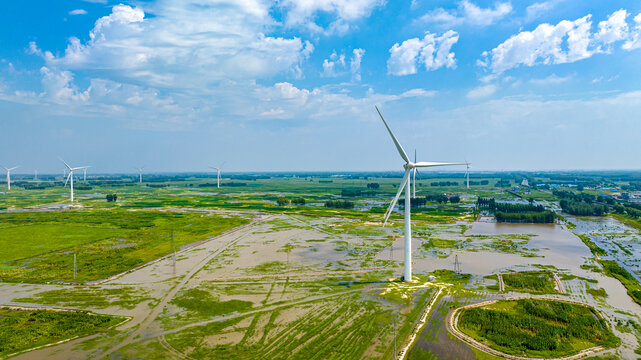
(621,242)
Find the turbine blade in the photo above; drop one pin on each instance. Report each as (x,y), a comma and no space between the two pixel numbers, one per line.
(398,145)
(4,168)
(68,176)
(67,165)
(398,194)
(13,168)
(430,164)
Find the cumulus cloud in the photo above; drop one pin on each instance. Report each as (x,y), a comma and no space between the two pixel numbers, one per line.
(355,64)
(614,29)
(337,65)
(330,65)
(634,41)
(78,12)
(432,51)
(304,13)
(468,13)
(565,42)
(180,46)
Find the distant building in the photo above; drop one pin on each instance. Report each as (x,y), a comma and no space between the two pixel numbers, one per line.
(525,183)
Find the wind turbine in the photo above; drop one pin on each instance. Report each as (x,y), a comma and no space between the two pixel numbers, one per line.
(140,172)
(406,184)
(9,170)
(218,171)
(84,169)
(467,174)
(71,170)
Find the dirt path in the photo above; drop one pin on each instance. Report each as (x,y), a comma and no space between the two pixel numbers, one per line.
(559,285)
(246,313)
(421,323)
(153,314)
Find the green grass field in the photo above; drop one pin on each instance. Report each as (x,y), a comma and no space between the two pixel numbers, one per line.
(40,246)
(538,282)
(25,329)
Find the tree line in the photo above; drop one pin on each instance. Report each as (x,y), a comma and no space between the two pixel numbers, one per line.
(516,213)
(339,204)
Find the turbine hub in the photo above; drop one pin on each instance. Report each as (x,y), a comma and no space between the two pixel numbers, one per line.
(408,165)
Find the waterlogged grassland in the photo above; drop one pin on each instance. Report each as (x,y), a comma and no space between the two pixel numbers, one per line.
(89,297)
(537,282)
(338,328)
(441,240)
(21,330)
(40,246)
(537,328)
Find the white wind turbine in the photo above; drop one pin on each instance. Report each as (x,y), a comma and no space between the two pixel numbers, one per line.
(406,184)
(70,176)
(218,171)
(84,169)
(9,170)
(140,172)
(467,174)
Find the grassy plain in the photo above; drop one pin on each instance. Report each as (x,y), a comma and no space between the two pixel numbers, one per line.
(40,246)
(25,329)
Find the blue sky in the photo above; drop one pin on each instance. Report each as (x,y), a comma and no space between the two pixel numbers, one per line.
(291,85)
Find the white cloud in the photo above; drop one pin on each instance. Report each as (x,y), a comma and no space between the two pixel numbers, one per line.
(305,12)
(58,87)
(482,91)
(550,80)
(543,45)
(431,51)
(180,46)
(78,12)
(614,29)
(539,9)
(355,64)
(565,42)
(337,65)
(330,65)
(634,41)
(468,13)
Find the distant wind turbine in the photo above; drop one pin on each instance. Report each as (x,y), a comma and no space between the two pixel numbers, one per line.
(467,174)
(9,170)
(406,184)
(71,170)
(218,171)
(140,172)
(84,169)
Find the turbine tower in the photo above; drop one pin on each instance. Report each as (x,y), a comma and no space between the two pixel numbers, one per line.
(406,184)
(140,172)
(84,178)
(467,174)
(9,170)
(70,176)
(218,171)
